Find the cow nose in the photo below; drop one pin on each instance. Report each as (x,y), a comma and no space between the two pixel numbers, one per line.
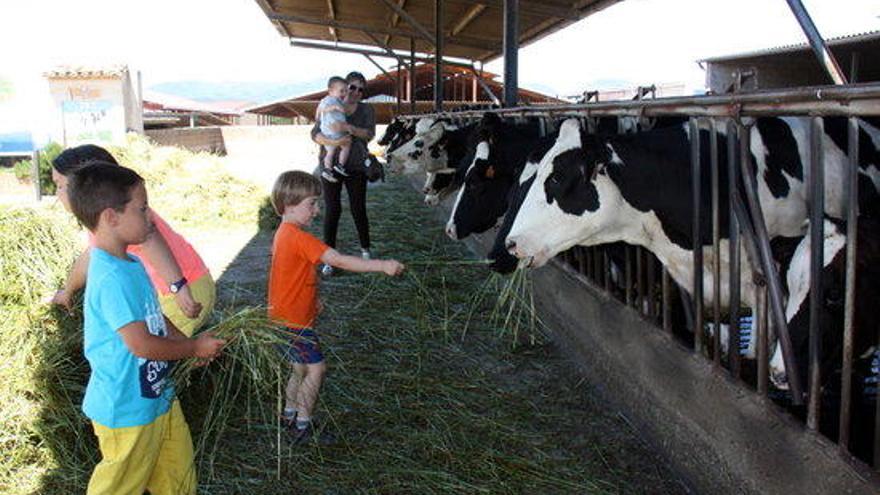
(450,231)
(510,244)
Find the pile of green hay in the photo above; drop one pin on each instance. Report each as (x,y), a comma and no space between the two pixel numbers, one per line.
(45,439)
(192,190)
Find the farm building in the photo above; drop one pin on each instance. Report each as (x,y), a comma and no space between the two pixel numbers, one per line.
(794,65)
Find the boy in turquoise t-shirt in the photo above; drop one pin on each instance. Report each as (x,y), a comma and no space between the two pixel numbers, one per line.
(144,439)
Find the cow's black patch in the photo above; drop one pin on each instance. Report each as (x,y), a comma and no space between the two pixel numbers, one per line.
(656,176)
(570,183)
(488,184)
(781,154)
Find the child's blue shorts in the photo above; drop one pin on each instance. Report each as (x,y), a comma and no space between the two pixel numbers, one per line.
(304,347)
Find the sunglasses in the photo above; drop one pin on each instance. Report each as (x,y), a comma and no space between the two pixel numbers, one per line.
(354,87)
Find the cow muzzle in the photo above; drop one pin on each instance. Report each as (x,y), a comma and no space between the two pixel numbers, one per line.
(451,231)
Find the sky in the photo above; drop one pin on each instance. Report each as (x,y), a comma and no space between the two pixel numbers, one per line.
(636,41)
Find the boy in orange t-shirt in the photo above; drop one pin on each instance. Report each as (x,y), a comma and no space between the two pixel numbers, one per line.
(293,293)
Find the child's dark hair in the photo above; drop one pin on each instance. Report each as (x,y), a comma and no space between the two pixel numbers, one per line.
(335,80)
(98,186)
(73,159)
(293,186)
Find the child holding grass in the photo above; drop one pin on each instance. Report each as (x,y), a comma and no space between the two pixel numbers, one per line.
(186,288)
(293,294)
(143,437)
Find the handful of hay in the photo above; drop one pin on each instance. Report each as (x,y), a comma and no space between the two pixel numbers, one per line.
(240,385)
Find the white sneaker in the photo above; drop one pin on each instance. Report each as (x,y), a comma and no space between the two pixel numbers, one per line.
(326,270)
(365,254)
(328,176)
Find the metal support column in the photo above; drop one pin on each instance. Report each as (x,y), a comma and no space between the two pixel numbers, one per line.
(826,58)
(852,201)
(438,55)
(696,170)
(817,231)
(511,50)
(412,75)
(398,84)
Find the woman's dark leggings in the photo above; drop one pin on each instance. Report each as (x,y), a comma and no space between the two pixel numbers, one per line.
(356,185)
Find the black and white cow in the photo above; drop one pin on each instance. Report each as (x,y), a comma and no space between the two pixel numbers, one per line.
(637,188)
(501,153)
(397,133)
(797,279)
(487,194)
(419,154)
(593,190)
(450,157)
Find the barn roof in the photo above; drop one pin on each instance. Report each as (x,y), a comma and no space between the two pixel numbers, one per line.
(472,30)
(113,71)
(872,37)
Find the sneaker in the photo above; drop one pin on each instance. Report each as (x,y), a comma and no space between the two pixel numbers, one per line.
(328,176)
(339,169)
(312,433)
(326,270)
(365,254)
(286,421)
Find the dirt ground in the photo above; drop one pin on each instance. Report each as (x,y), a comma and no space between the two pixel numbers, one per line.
(420,401)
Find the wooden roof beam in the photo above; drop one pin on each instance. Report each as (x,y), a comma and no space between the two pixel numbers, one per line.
(467,18)
(332,29)
(374,53)
(465,41)
(539,8)
(424,33)
(395,19)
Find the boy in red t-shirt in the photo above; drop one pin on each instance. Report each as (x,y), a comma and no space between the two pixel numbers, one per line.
(293,292)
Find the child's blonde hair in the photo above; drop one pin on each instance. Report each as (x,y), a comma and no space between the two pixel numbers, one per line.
(293,186)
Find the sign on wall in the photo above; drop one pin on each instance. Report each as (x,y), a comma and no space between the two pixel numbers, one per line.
(88,121)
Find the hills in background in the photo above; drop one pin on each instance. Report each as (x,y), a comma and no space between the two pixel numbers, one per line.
(252,91)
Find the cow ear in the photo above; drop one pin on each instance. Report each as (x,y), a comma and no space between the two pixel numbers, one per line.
(490,172)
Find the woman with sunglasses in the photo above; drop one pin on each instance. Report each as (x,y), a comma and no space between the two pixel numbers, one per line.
(361,127)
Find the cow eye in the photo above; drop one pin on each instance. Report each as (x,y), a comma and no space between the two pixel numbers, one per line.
(419,143)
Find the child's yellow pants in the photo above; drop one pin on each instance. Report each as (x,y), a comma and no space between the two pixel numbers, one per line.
(157,457)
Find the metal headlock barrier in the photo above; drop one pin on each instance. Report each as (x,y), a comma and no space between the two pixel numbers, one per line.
(734,114)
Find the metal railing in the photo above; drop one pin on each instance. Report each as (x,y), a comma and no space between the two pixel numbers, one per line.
(747,231)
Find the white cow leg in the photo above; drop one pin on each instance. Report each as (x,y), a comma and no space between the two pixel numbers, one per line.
(778,374)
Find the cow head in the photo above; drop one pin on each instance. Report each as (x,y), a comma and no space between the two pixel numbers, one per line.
(483,197)
(500,260)
(398,133)
(563,207)
(415,155)
(439,185)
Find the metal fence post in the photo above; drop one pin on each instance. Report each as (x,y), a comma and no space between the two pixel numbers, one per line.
(35,172)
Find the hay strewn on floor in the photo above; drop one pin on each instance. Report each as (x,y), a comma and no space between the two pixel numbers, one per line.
(440,381)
